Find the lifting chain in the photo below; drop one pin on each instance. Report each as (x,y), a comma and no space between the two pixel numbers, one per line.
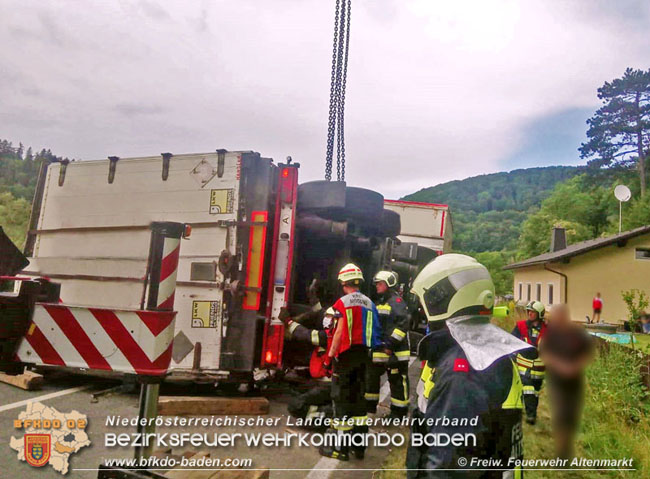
(335,126)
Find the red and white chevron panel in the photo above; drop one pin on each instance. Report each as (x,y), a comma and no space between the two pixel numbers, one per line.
(168,270)
(120,340)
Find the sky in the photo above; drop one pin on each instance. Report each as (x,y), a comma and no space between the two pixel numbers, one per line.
(436,91)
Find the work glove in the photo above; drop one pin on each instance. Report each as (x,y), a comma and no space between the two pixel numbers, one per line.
(284,315)
(327,365)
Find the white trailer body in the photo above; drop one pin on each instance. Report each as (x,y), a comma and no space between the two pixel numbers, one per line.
(427,224)
(90,232)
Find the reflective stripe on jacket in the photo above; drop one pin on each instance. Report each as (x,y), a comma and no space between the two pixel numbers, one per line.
(528,361)
(484,404)
(394,321)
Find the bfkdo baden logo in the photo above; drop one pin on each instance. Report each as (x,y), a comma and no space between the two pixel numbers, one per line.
(37,449)
(49,436)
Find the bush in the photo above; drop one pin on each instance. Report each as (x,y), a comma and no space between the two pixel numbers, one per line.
(616,419)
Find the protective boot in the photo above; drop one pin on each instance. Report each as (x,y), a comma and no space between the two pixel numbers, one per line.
(359,452)
(340,450)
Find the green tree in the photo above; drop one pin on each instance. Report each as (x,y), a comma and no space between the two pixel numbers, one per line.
(619,132)
(487,210)
(584,211)
(636,302)
(14,217)
(19,171)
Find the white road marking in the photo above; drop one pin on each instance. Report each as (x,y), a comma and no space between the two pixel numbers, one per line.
(326,465)
(44,397)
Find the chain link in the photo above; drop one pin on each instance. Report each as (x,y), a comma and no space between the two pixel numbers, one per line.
(343,85)
(335,126)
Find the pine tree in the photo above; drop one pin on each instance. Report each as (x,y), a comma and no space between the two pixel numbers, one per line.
(619,132)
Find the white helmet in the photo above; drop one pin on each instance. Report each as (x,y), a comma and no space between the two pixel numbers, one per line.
(330,314)
(350,274)
(454,285)
(538,307)
(387,277)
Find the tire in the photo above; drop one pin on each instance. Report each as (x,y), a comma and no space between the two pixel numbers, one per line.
(391,223)
(363,203)
(332,200)
(320,196)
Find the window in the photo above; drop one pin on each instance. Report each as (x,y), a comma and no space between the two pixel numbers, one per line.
(528,291)
(521,292)
(539,291)
(550,293)
(642,253)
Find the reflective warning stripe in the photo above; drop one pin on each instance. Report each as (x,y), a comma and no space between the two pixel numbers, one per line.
(425,386)
(514,399)
(371,396)
(350,319)
(531,390)
(336,424)
(314,337)
(360,420)
(292,326)
(369,329)
(398,334)
(384,308)
(379,357)
(403,355)
(399,402)
(523,361)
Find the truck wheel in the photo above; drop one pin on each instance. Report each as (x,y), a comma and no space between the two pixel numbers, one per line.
(391,223)
(364,203)
(333,200)
(320,196)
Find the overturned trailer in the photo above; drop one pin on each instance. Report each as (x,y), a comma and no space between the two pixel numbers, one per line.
(259,242)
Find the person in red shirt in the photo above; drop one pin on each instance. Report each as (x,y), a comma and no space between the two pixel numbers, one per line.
(357,331)
(597,305)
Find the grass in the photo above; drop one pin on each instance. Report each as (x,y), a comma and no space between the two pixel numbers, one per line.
(615,425)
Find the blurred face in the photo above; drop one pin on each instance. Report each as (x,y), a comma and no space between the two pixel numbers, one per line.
(532,315)
(560,315)
(381,286)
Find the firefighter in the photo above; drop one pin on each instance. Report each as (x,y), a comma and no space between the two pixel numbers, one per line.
(531,367)
(357,331)
(393,356)
(469,387)
(316,402)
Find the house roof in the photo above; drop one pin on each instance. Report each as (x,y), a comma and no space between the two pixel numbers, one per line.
(579,248)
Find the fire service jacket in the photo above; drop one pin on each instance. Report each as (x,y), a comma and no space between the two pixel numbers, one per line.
(449,388)
(394,321)
(528,361)
(321,339)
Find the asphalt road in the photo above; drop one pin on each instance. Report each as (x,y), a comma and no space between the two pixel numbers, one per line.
(67,393)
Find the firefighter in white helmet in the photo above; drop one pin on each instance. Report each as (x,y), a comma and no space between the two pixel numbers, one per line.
(357,331)
(392,357)
(469,379)
(531,368)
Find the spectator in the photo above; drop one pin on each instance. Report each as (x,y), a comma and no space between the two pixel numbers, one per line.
(566,351)
(597,305)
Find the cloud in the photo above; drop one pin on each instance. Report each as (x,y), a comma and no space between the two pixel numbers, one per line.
(131,110)
(436,90)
